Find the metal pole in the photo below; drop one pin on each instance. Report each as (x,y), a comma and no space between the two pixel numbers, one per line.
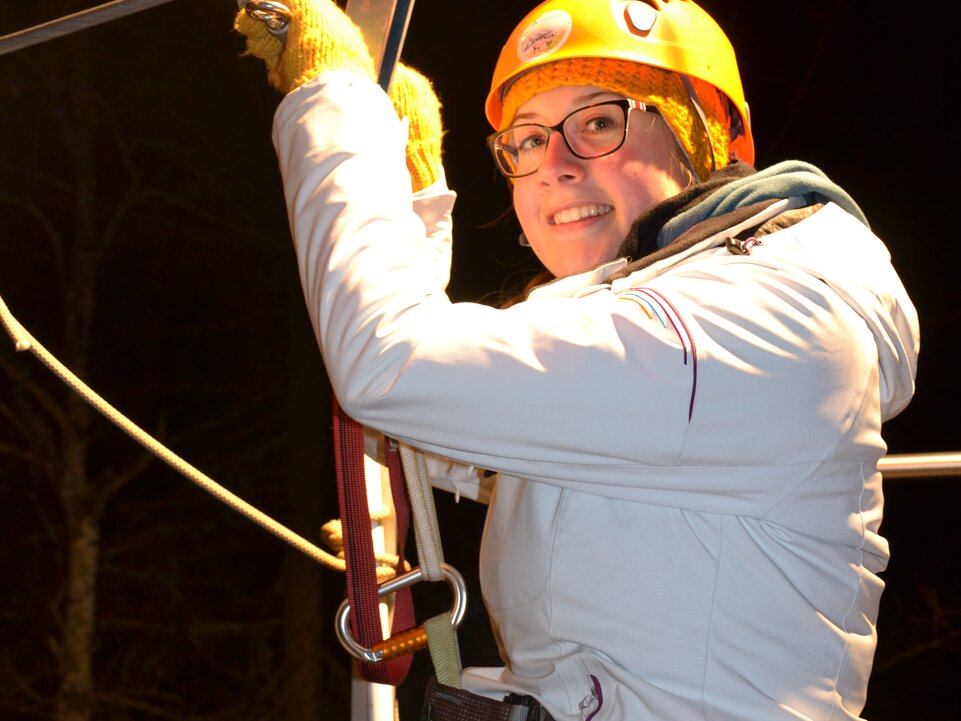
(921,465)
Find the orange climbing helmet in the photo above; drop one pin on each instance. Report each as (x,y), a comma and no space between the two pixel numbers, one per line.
(673,35)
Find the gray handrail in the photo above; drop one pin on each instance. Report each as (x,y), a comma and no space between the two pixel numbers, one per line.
(921,465)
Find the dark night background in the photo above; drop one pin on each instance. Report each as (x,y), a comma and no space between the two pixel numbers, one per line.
(140,151)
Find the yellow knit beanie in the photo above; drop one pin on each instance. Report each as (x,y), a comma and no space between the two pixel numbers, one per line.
(660,88)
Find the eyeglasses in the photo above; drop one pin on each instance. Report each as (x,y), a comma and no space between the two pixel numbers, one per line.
(590,132)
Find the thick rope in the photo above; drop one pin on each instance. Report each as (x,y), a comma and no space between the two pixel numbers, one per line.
(386,564)
(74,23)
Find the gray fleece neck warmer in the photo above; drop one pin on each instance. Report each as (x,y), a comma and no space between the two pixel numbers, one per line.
(733,187)
(788,179)
(731,195)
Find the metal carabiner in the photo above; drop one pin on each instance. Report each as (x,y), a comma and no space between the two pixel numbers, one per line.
(274,15)
(406,641)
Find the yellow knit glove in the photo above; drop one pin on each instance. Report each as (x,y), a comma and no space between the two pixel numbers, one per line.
(414,99)
(320,37)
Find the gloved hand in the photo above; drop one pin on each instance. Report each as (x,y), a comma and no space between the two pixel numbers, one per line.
(321,37)
(414,99)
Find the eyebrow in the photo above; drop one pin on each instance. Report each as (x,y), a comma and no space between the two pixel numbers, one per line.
(579,99)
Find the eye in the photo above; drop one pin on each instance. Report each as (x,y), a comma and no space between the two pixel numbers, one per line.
(599,121)
(527,140)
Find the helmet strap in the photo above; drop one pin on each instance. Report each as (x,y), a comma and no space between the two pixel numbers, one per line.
(692,94)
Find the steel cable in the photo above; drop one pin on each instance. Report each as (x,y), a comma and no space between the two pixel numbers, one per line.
(73,23)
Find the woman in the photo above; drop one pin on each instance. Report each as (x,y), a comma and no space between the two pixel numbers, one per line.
(682,428)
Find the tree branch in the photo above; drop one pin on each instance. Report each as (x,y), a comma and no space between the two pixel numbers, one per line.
(36,391)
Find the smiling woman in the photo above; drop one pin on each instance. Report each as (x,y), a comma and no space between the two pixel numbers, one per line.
(643,558)
(575,210)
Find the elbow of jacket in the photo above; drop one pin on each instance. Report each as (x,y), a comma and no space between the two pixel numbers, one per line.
(350,398)
(356,399)
(364,385)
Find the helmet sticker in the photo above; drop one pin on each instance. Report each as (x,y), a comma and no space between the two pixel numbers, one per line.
(545,35)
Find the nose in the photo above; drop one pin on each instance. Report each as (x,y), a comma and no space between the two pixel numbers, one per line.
(559,164)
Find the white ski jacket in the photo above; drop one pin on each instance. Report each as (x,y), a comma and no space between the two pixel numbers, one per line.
(684,520)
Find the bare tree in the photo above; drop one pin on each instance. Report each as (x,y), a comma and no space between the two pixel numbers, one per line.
(57,436)
(75,189)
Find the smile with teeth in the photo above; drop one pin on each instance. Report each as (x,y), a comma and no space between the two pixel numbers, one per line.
(571,215)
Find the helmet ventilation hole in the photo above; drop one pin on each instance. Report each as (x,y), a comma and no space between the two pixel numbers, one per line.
(640,16)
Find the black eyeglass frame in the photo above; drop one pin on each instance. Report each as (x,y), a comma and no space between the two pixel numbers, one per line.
(626,105)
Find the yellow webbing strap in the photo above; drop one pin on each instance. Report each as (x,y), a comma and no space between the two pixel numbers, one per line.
(444,651)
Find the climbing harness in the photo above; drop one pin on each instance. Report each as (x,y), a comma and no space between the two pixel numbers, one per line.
(362,589)
(455,704)
(358,622)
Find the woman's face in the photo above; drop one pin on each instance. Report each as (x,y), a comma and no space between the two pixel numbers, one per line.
(576,213)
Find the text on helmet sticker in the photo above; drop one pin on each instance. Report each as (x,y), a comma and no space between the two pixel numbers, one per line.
(545,35)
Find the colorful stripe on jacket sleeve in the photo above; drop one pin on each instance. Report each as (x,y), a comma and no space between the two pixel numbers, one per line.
(660,309)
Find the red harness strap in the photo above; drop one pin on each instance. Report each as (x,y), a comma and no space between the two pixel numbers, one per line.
(359,547)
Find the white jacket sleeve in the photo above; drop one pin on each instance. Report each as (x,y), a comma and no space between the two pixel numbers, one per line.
(640,398)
